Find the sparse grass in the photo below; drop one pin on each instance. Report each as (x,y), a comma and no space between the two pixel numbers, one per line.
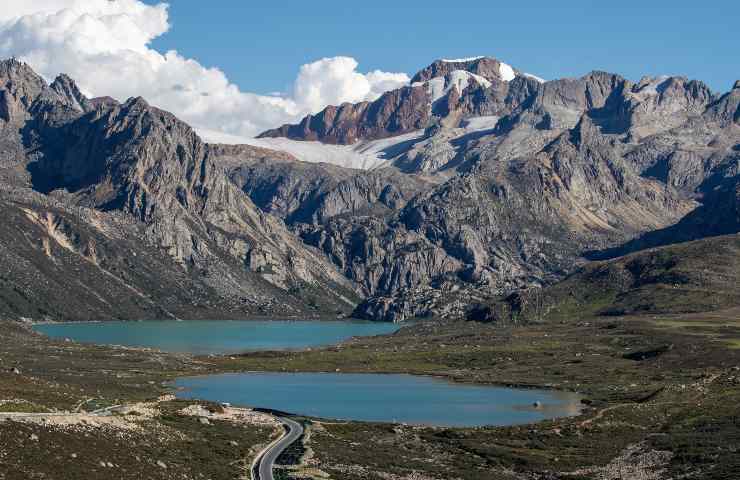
(187,448)
(631,400)
(20,407)
(584,356)
(693,277)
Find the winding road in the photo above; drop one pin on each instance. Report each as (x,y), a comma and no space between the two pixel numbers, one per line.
(266,461)
(262,467)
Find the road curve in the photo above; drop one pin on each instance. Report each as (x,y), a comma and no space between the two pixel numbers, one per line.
(266,461)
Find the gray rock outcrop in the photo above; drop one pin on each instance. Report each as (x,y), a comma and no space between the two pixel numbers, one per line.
(131,166)
(571,167)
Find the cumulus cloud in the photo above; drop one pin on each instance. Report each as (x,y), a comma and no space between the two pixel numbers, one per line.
(331,81)
(105,46)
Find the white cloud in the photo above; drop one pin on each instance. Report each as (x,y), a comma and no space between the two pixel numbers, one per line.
(331,81)
(104,46)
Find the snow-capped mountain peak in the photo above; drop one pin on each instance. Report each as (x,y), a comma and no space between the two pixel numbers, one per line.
(462,60)
(487,67)
(439,87)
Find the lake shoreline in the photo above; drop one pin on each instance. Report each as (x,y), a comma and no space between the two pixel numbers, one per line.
(590,358)
(216,337)
(267,318)
(245,353)
(540,404)
(211,357)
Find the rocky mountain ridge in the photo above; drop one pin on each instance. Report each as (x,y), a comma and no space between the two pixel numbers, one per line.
(513,184)
(142,164)
(570,166)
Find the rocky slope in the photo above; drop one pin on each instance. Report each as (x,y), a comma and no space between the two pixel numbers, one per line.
(133,164)
(300,192)
(698,276)
(513,184)
(395,113)
(719,214)
(566,168)
(444,91)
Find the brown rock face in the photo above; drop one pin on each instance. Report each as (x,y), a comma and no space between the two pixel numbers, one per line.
(488,68)
(395,113)
(67,89)
(727,109)
(407,109)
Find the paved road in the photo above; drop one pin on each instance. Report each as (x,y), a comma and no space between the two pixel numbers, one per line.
(267,461)
(264,464)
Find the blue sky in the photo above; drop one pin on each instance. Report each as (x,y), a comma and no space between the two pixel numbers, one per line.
(260,45)
(218,65)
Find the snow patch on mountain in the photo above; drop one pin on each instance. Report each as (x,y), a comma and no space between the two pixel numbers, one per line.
(650,86)
(439,87)
(477,124)
(362,155)
(534,77)
(435,88)
(506,72)
(462,60)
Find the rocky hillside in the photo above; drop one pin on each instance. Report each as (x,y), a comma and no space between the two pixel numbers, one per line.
(114,184)
(494,181)
(697,276)
(562,171)
(445,88)
(300,192)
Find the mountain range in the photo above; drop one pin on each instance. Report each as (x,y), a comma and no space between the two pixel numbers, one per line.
(474,182)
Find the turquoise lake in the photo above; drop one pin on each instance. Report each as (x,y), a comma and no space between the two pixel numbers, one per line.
(381,398)
(216,337)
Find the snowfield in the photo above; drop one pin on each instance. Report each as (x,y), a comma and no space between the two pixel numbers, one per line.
(361,155)
(368,155)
